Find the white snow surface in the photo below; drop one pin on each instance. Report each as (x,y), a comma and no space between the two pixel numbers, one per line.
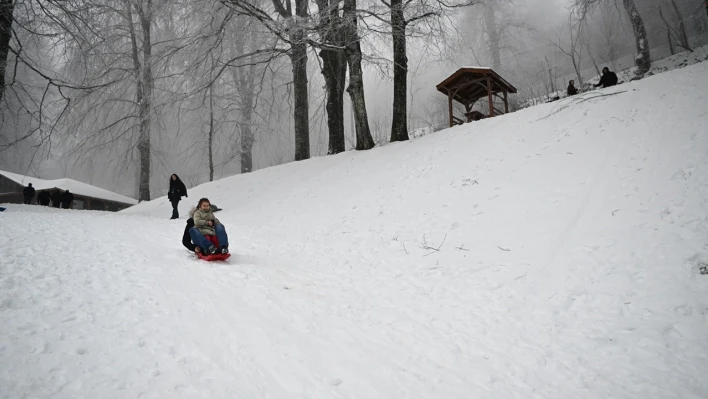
(72,185)
(549,253)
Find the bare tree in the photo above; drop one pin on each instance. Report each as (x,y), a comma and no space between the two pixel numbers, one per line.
(400,16)
(244,79)
(125,57)
(289,26)
(332,33)
(675,33)
(364,141)
(490,25)
(574,50)
(144,82)
(6,10)
(33,92)
(641,39)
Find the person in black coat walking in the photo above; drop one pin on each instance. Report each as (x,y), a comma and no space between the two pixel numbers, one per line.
(608,78)
(56,198)
(28,192)
(43,198)
(67,200)
(177,191)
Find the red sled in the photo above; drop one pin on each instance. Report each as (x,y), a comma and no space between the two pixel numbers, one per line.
(213,257)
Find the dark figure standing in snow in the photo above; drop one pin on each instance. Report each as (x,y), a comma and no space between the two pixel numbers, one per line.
(67,199)
(28,192)
(608,78)
(177,191)
(56,199)
(571,88)
(187,239)
(43,198)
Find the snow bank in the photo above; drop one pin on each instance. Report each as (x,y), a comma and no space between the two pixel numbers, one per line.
(73,186)
(550,253)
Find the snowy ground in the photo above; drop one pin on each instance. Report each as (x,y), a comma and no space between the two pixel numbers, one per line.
(549,253)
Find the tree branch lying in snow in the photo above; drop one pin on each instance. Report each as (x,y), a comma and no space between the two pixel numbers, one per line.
(577,100)
(424,245)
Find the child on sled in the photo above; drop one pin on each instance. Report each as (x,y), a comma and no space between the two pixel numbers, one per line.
(205,224)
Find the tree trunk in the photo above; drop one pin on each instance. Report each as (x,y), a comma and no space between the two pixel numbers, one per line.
(245,81)
(143,77)
(490,24)
(246,141)
(399,126)
(643,59)
(668,32)
(7,8)
(364,141)
(683,37)
(211,133)
(298,56)
(145,13)
(334,72)
(246,89)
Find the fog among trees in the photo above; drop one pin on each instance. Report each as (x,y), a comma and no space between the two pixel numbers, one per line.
(122,93)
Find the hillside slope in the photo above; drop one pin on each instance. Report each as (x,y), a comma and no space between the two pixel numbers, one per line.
(550,253)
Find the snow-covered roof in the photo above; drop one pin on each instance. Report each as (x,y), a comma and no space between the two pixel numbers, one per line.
(72,185)
(475,67)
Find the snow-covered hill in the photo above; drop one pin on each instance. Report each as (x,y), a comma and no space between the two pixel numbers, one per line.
(551,253)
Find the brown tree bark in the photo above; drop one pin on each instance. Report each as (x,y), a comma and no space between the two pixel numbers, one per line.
(298,57)
(143,76)
(145,14)
(333,70)
(399,126)
(364,141)
(6,9)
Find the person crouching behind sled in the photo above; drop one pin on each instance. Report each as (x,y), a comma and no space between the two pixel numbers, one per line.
(205,224)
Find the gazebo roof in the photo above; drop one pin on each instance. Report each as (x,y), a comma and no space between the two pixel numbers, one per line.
(469,84)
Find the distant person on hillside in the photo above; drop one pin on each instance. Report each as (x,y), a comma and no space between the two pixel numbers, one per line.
(608,78)
(67,200)
(28,193)
(177,191)
(205,224)
(572,90)
(56,198)
(43,198)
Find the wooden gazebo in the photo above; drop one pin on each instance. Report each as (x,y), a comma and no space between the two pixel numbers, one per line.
(469,84)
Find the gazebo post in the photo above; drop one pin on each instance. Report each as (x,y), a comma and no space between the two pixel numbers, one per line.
(449,103)
(489,94)
(506,103)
